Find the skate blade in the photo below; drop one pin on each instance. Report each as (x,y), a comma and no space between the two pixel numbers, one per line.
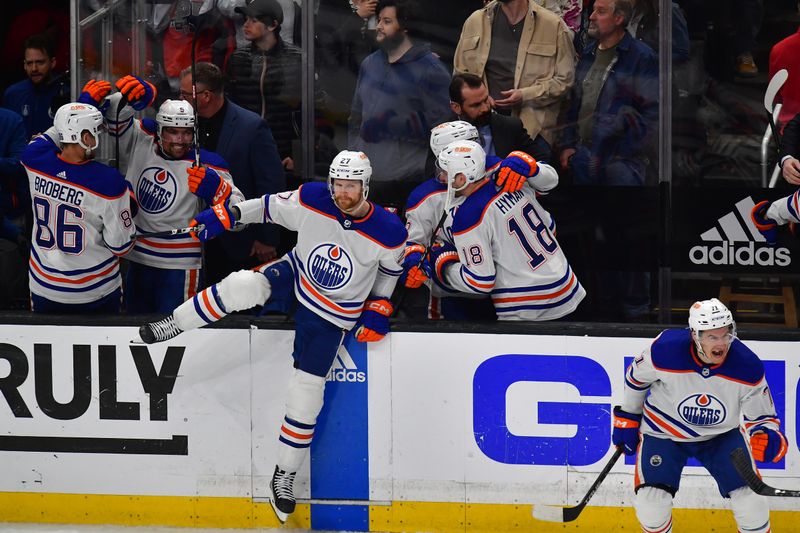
(548,513)
(137,340)
(280,514)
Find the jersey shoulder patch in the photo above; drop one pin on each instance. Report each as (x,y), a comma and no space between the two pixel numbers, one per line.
(742,364)
(423,191)
(672,350)
(471,212)
(317,197)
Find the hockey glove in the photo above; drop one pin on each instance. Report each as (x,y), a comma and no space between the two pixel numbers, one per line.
(212,222)
(374,322)
(139,93)
(765,226)
(515,170)
(416,268)
(768,445)
(626,430)
(94,92)
(208,185)
(441,257)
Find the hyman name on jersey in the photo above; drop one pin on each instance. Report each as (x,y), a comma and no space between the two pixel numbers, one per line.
(59,191)
(330,266)
(507,201)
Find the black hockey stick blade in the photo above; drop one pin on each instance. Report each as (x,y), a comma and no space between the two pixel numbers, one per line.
(743,465)
(553,513)
(171,232)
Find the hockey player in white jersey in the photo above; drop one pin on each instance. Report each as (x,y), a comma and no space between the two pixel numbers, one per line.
(425,214)
(767,216)
(697,392)
(502,244)
(158,160)
(82,217)
(341,273)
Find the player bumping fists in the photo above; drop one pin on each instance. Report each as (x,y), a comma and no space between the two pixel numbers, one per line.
(416,268)
(208,185)
(139,93)
(213,221)
(94,92)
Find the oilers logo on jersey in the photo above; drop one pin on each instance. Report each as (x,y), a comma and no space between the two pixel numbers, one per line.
(156,190)
(702,410)
(330,266)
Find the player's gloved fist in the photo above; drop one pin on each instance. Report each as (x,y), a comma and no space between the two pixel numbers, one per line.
(768,445)
(212,222)
(626,430)
(441,256)
(374,322)
(208,185)
(139,93)
(514,170)
(94,92)
(416,268)
(765,225)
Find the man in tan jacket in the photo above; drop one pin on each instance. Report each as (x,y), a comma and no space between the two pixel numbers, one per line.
(525,54)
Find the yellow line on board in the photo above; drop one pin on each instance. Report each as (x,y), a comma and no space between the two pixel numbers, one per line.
(243,513)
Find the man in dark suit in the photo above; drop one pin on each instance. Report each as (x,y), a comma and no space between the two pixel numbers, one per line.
(790,156)
(500,134)
(245,141)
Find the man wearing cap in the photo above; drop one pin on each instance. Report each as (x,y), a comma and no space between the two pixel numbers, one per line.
(265,76)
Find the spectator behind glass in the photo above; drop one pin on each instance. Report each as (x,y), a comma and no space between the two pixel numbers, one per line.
(493,42)
(14,195)
(786,54)
(613,116)
(245,141)
(614,109)
(644,26)
(567,10)
(400,95)
(36,98)
(265,77)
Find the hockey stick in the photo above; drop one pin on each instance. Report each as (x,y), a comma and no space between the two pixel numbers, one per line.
(773,87)
(171,232)
(744,466)
(553,513)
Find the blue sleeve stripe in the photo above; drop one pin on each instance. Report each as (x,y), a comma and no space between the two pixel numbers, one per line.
(545,287)
(639,388)
(145,251)
(199,309)
(477,277)
(551,305)
(390,272)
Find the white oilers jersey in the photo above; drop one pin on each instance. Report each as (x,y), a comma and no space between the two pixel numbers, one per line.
(507,248)
(82,223)
(424,210)
(338,261)
(165,202)
(786,209)
(683,399)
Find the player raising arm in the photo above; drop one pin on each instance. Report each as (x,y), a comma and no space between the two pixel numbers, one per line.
(341,273)
(697,393)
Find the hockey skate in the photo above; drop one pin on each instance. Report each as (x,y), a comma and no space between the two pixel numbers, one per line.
(282,494)
(160,331)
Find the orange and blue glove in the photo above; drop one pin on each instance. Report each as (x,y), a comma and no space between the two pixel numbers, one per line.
(94,92)
(138,92)
(212,222)
(514,170)
(208,185)
(765,225)
(768,445)
(416,268)
(374,322)
(441,256)
(626,430)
